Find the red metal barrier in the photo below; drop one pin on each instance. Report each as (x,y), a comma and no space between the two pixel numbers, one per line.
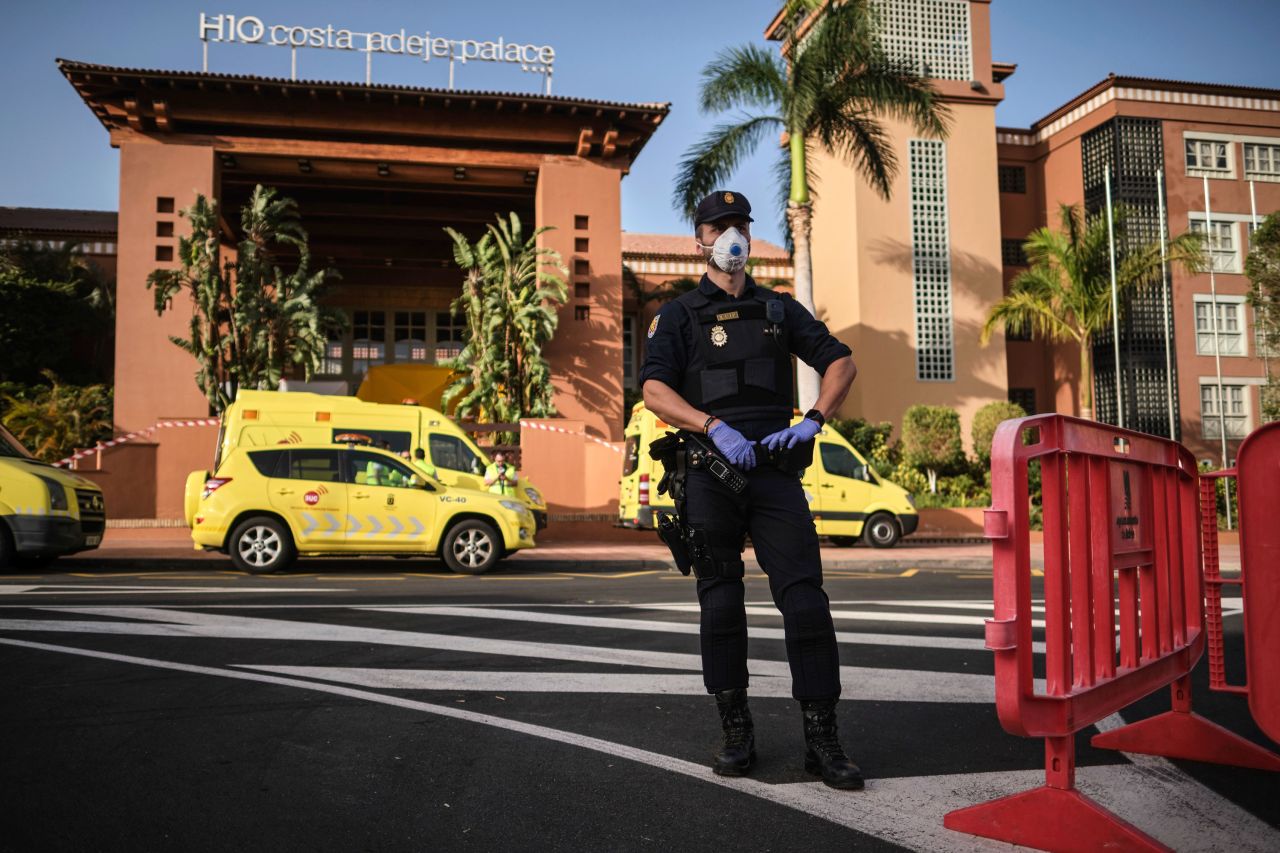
(1258,462)
(1120,530)
(1179,733)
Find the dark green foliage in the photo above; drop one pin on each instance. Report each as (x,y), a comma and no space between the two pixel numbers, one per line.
(57,314)
(53,420)
(931,441)
(984,426)
(1263,269)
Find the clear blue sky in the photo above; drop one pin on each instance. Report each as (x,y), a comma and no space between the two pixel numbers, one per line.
(54,153)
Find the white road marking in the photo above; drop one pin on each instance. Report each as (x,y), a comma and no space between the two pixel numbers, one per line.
(90,589)
(866,683)
(905,811)
(861,615)
(915,641)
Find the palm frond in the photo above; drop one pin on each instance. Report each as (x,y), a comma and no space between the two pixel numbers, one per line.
(714,159)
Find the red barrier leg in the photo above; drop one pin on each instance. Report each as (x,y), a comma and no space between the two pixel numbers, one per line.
(1181,733)
(1054,817)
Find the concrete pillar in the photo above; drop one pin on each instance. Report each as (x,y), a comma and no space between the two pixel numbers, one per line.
(154,378)
(582,201)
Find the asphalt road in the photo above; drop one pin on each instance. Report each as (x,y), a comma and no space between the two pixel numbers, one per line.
(161,705)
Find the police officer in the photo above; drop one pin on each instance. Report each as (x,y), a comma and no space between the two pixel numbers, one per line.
(718,362)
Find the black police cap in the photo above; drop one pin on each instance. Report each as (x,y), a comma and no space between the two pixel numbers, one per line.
(720,204)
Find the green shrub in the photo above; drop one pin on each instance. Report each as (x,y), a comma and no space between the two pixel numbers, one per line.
(871,440)
(984,426)
(931,441)
(53,420)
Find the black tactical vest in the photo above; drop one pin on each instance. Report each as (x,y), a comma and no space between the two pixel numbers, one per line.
(740,367)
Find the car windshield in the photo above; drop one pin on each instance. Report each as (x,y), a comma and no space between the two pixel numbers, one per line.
(10,448)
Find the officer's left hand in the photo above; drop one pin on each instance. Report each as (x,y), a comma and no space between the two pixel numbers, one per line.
(793,435)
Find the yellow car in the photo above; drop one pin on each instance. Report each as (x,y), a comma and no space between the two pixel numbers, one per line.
(265,507)
(848,500)
(267,418)
(45,512)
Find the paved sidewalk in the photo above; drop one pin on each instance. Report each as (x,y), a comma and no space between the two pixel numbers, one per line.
(645,553)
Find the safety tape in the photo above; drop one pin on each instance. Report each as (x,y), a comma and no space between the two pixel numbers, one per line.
(103,445)
(121,439)
(548,428)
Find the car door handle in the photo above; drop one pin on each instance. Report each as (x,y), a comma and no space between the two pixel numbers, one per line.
(285,492)
(360,495)
(827,486)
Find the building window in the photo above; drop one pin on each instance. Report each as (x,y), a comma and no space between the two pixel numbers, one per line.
(1013,179)
(1011,254)
(334,349)
(1234,416)
(933,38)
(628,352)
(1230,325)
(1261,161)
(1221,244)
(1024,397)
(411,336)
(1209,156)
(368,344)
(931,261)
(449,333)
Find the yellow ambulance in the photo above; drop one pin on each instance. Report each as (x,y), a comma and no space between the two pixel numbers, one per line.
(271,418)
(849,501)
(45,512)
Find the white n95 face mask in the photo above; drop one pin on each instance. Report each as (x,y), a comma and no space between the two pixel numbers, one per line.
(730,250)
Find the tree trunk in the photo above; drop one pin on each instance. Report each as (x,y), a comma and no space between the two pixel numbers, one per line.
(800,217)
(1086,380)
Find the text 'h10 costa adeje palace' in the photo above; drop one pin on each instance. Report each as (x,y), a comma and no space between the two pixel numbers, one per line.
(379,170)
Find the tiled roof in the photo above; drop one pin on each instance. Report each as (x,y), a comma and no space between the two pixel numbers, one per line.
(681,245)
(58,220)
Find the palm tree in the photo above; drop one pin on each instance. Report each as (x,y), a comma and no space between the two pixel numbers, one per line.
(1065,294)
(510,291)
(829,94)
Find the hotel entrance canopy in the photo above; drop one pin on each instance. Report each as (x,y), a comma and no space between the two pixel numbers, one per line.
(378,171)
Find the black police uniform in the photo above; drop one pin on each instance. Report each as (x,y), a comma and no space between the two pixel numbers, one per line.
(725,357)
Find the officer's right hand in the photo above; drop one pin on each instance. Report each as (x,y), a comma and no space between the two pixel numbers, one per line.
(740,452)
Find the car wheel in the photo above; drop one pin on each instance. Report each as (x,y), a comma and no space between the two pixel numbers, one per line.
(844,541)
(261,545)
(881,531)
(472,547)
(8,553)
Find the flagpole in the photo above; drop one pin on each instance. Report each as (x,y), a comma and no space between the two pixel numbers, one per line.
(1164,295)
(1217,350)
(1115,304)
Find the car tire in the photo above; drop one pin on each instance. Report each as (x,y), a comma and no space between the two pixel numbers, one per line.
(881,530)
(261,545)
(472,547)
(844,541)
(8,553)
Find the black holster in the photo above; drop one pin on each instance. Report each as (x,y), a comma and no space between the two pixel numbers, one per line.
(788,460)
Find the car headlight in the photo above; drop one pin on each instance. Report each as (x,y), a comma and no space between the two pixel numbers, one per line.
(57,494)
(534,495)
(911,499)
(514,506)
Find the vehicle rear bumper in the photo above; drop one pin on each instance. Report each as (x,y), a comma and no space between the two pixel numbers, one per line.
(52,534)
(909,523)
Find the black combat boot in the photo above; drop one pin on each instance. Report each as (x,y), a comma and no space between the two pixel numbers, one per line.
(739,751)
(824,756)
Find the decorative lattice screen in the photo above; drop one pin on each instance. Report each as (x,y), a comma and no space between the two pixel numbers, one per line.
(931,261)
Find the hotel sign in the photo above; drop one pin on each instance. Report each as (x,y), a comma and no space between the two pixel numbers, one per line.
(250,29)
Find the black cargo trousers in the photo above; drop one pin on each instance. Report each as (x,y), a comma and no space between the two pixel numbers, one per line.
(773,510)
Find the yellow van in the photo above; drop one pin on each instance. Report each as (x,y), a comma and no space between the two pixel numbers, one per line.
(269,418)
(45,512)
(848,500)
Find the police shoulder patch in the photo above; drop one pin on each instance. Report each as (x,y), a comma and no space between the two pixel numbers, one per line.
(653,327)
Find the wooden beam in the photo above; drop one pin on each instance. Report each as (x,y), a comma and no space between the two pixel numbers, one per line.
(131,112)
(584,142)
(610,145)
(162,116)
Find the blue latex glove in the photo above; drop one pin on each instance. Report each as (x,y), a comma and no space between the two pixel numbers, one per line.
(734,445)
(792,435)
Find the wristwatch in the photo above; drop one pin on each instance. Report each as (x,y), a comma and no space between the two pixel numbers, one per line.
(815,415)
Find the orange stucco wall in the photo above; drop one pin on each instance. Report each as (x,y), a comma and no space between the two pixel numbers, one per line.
(152,375)
(586,354)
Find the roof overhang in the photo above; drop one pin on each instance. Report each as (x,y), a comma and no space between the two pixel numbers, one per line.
(206,105)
